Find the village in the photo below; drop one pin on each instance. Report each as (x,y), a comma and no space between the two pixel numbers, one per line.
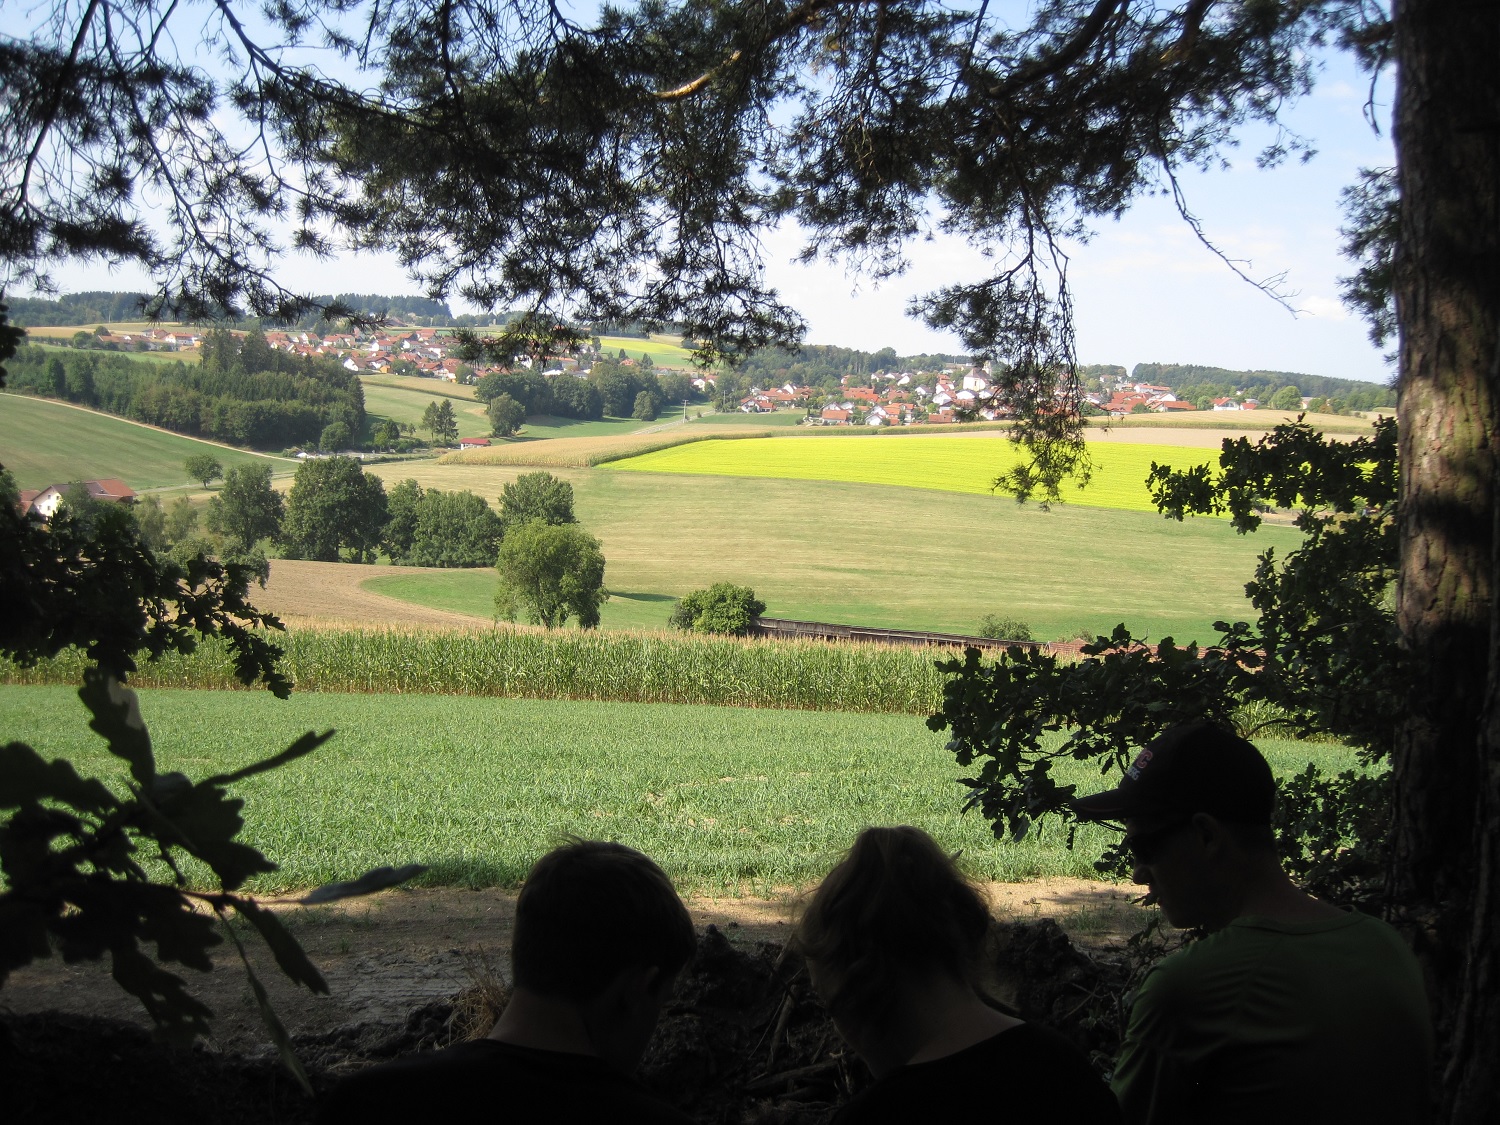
(960,392)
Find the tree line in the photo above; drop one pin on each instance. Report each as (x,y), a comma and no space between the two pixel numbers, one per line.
(1191,382)
(550,569)
(243,394)
(825,365)
(611,388)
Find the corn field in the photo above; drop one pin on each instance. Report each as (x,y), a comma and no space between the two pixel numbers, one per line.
(535,664)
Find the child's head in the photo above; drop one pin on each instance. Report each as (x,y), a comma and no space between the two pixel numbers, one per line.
(894,908)
(572,895)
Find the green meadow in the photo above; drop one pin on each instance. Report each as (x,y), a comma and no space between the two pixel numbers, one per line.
(406,405)
(663,350)
(870,554)
(473,592)
(44,442)
(404,399)
(726,799)
(949,464)
(540,427)
(735,418)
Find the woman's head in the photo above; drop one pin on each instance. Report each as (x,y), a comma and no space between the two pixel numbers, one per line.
(894,908)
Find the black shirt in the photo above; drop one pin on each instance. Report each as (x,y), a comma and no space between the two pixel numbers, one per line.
(1026,1073)
(487,1080)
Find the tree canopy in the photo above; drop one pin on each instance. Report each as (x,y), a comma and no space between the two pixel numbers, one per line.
(334,506)
(536,496)
(549,573)
(247,509)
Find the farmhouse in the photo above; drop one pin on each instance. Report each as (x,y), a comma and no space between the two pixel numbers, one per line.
(44,501)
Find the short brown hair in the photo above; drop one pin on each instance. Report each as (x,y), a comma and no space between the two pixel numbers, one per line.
(896,902)
(590,910)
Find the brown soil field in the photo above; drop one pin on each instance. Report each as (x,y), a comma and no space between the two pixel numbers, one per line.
(318,593)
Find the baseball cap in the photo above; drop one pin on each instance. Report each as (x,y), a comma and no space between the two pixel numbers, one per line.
(1198,767)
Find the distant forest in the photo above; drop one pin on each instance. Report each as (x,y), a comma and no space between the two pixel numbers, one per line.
(1193,382)
(243,392)
(824,365)
(75,309)
(112,308)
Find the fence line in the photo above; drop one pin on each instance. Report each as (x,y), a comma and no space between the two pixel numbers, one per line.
(826,631)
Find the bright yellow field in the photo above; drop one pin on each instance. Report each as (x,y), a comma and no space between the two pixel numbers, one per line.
(949,464)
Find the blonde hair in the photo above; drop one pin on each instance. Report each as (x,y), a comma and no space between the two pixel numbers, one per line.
(896,903)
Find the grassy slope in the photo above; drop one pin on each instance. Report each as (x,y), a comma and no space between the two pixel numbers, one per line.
(440,388)
(663,350)
(189,356)
(473,592)
(903,557)
(776,418)
(725,799)
(954,464)
(403,399)
(543,427)
(401,404)
(44,442)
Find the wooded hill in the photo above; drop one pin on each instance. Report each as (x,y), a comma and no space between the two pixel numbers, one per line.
(1261,384)
(278,402)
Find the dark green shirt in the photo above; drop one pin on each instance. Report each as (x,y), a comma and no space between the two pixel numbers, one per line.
(1272,1021)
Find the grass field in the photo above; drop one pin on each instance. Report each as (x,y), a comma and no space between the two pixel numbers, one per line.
(404,399)
(439,388)
(190,356)
(473,592)
(901,557)
(735,418)
(545,427)
(401,404)
(725,799)
(950,464)
(44,442)
(663,350)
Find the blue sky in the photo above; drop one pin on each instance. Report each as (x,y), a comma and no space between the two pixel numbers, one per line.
(1145,290)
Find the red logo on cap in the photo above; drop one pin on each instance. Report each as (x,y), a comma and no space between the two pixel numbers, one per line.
(1140,763)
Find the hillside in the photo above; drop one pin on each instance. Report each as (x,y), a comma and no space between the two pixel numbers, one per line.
(1185,376)
(44,442)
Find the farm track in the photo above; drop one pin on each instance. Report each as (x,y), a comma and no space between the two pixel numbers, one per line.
(302,592)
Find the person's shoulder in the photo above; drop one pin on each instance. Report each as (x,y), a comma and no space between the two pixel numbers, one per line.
(1052,1063)
(459,1076)
(1040,1073)
(533,1086)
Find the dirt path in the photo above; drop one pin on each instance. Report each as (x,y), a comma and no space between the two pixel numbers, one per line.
(321,593)
(392,952)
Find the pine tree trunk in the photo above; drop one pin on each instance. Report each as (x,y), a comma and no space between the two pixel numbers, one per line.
(1447,759)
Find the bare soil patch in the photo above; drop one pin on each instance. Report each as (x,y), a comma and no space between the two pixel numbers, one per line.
(388,954)
(301,592)
(743,1042)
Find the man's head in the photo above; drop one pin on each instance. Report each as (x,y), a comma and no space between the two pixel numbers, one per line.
(599,925)
(1196,805)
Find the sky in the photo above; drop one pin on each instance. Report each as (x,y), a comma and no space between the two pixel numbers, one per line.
(1144,289)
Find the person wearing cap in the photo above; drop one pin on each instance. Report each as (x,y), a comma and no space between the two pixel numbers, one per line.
(1290,1008)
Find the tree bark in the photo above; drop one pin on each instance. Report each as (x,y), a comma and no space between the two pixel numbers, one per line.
(1446,828)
